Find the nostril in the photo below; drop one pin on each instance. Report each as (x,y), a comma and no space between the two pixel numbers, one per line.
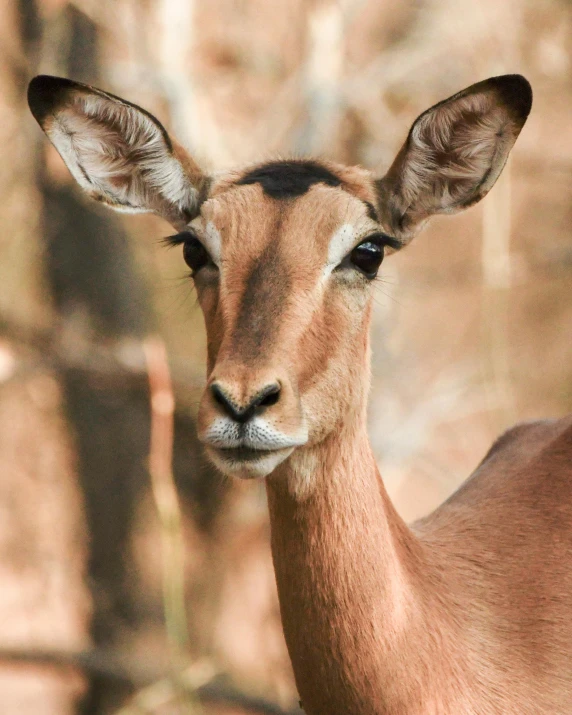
(270,396)
(225,401)
(219,396)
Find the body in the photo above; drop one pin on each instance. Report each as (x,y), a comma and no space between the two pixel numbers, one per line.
(469,611)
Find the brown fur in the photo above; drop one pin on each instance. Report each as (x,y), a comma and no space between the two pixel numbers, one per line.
(467,612)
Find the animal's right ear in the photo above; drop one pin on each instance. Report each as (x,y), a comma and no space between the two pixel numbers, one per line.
(117,152)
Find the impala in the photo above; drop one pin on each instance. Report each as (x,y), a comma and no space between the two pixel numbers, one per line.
(468,611)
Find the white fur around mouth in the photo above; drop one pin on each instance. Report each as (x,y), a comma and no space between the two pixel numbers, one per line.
(226,434)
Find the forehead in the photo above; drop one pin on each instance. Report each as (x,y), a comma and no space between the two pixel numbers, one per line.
(305,202)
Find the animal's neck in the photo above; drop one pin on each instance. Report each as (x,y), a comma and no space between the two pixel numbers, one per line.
(348,573)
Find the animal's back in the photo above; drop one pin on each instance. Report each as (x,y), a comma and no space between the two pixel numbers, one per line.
(502,546)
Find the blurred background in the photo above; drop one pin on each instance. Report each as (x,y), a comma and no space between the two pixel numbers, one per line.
(119,594)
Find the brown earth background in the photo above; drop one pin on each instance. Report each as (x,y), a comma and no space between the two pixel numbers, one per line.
(116,595)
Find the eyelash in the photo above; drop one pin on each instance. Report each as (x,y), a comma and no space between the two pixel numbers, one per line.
(178,238)
(383,240)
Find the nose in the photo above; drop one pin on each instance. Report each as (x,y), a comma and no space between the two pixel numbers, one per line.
(263,398)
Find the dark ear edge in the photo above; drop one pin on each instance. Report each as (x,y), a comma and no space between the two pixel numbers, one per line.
(516,92)
(513,90)
(48,95)
(513,93)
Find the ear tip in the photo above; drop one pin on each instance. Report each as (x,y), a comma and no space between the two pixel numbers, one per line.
(516,92)
(45,93)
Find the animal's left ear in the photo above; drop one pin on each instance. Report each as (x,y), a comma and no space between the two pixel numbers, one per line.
(117,152)
(454,153)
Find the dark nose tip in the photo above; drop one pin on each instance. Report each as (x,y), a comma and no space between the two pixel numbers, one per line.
(265,397)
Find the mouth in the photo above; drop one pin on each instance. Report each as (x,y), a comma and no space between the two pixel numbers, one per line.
(247,462)
(245,454)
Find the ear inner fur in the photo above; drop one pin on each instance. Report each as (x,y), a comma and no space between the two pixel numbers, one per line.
(454,153)
(119,153)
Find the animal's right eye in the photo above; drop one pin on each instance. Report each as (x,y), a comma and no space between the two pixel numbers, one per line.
(194,253)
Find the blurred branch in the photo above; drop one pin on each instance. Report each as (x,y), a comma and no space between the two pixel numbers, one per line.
(114,666)
(165,492)
(167,502)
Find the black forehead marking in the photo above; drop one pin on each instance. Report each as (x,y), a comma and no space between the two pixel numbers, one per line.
(286,179)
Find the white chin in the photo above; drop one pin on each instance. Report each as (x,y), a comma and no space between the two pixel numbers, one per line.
(253,467)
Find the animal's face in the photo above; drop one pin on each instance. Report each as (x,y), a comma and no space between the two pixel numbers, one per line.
(284,280)
(283,256)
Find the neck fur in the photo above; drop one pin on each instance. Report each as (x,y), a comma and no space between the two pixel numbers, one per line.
(348,575)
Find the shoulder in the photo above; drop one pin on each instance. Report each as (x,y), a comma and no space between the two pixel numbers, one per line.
(527,440)
(531,463)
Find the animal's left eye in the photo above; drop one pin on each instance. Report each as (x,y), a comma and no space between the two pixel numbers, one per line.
(367,258)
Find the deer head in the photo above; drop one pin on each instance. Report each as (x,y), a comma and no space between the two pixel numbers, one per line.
(283,255)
